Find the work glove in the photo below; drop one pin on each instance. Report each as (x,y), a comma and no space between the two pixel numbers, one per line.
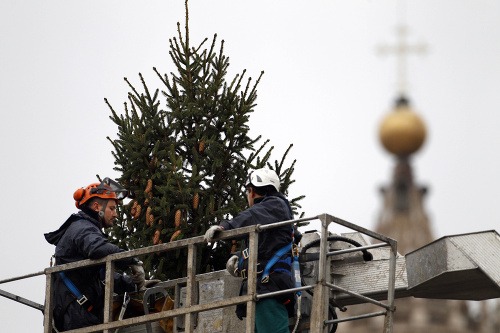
(211,233)
(232,266)
(138,275)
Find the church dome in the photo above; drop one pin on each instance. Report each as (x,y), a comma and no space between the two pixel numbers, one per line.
(402,132)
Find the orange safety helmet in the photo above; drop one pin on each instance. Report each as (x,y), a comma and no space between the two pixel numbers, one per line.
(106,189)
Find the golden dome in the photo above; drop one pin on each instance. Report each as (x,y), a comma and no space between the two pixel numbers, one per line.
(402,132)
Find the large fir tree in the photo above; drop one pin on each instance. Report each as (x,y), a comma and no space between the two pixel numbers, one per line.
(186,164)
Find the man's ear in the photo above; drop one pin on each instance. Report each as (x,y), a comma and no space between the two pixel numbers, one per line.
(95,206)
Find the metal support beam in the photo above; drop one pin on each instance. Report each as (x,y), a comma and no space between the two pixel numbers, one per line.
(22,300)
(363,316)
(17,278)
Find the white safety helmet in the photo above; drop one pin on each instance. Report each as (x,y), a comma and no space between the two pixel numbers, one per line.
(264,177)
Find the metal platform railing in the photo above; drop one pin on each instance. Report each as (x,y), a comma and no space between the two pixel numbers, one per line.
(322,287)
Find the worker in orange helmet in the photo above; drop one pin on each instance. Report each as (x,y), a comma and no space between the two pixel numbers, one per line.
(79,293)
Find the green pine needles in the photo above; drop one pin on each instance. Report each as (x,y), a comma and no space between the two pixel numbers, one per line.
(185,154)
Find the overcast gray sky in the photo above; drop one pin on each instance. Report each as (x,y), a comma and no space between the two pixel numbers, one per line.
(324,89)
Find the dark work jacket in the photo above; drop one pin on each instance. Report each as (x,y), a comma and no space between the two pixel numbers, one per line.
(79,238)
(266,210)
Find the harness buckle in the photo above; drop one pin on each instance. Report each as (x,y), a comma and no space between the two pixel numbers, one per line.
(82,300)
(243,273)
(245,253)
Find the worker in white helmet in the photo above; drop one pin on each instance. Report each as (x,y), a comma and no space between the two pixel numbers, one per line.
(266,205)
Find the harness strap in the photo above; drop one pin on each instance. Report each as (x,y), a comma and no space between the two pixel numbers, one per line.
(273,260)
(126,300)
(298,283)
(280,265)
(296,269)
(80,298)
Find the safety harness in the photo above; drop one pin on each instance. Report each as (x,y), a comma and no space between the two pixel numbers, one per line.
(277,259)
(276,262)
(81,299)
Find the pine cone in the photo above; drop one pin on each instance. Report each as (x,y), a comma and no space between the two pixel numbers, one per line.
(178,215)
(149,217)
(149,197)
(135,211)
(149,186)
(196,200)
(201,146)
(138,211)
(156,237)
(175,235)
(133,206)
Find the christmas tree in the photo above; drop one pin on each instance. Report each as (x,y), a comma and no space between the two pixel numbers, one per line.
(185,165)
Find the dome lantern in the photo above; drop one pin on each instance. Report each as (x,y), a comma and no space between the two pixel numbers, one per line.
(402,132)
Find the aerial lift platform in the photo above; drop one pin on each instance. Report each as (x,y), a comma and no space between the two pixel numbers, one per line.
(337,270)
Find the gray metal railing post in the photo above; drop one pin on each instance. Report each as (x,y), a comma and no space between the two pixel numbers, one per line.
(252,280)
(191,285)
(47,315)
(177,297)
(108,292)
(321,291)
(389,317)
